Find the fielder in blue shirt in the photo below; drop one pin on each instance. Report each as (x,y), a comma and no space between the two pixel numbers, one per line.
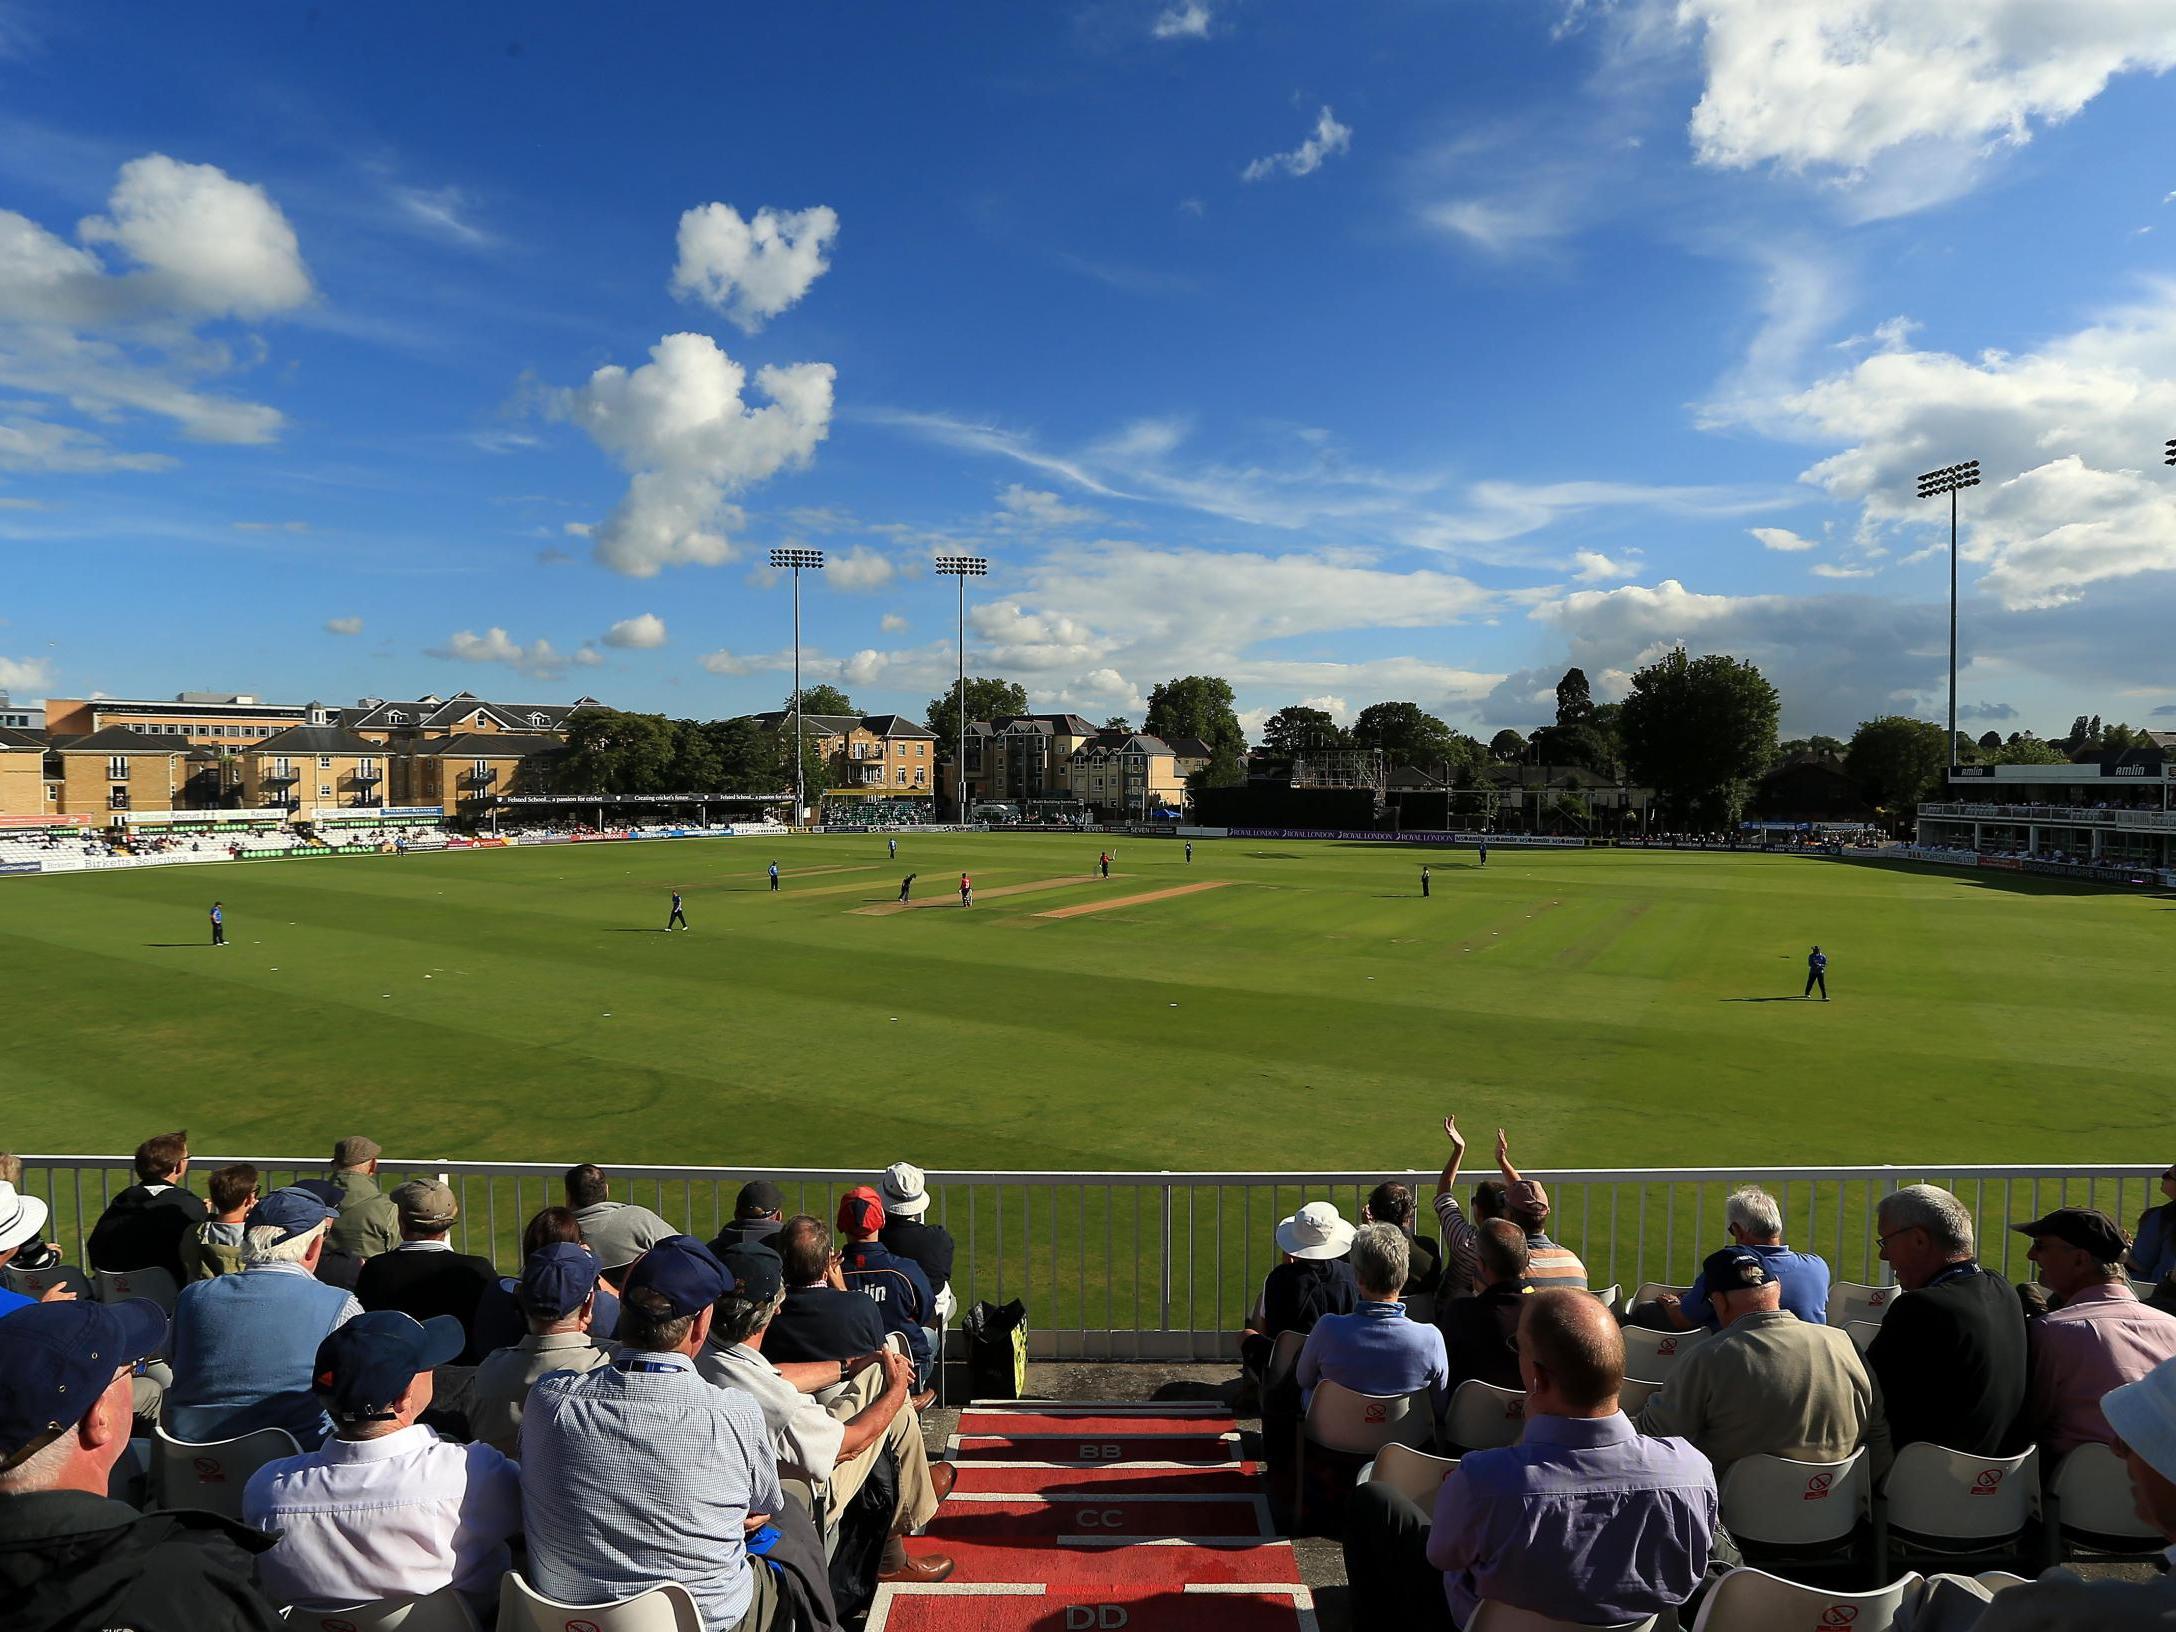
(1816,973)
(774,878)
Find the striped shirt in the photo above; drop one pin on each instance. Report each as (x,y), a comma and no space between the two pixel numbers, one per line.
(1549,1265)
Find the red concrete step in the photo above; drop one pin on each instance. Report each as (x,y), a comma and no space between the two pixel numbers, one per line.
(1096,1449)
(1240,1479)
(1122,1424)
(1024,1608)
(1138,1568)
(1100,1520)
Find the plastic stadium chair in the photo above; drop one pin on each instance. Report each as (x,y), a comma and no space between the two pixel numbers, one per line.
(1755,1601)
(1413,1474)
(1999,1580)
(1493,1617)
(209,1475)
(1772,1501)
(1862,1333)
(1284,1355)
(1651,1290)
(669,1608)
(1609,1294)
(442,1611)
(1651,1356)
(115,1285)
(1483,1416)
(1938,1503)
(2090,1507)
(1632,1394)
(1849,1301)
(35,1283)
(1341,1419)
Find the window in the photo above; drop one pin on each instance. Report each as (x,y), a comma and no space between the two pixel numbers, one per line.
(921,777)
(117,768)
(902,776)
(324,790)
(482,768)
(396,718)
(921,750)
(538,719)
(324,762)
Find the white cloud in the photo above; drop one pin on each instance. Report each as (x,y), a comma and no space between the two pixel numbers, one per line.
(587,656)
(739,663)
(1329,138)
(892,623)
(1593,567)
(863,667)
(858,568)
(678,425)
(38,444)
(442,212)
(1502,226)
(1782,538)
(752,270)
(641,633)
(343,626)
(207,243)
(28,675)
(1029,509)
(538,660)
(1833,569)
(1182,20)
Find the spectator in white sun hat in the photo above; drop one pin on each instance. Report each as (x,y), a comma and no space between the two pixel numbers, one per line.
(21,1219)
(1311,1281)
(905,1193)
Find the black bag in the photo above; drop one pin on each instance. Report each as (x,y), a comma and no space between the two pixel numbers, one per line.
(864,1528)
(997,1350)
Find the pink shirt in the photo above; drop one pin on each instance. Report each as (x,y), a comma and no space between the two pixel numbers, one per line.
(2104,1337)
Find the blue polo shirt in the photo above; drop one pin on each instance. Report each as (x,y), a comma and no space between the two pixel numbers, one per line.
(12,1300)
(1805,1287)
(1375,1350)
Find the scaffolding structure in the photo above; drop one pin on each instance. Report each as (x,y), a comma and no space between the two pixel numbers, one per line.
(1347,769)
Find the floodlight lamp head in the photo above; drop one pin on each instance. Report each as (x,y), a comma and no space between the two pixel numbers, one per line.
(962,566)
(797,558)
(2170,459)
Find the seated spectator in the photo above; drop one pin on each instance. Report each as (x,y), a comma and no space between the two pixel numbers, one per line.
(758,1212)
(896,1285)
(1950,1358)
(1769,1384)
(214,1247)
(501,1322)
(142,1227)
(1461,1275)
(2153,1250)
(905,1193)
(369,1223)
(1583,1519)
(1313,1280)
(424,1276)
(2099,1338)
(558,1296)
(1481,1333)
(830,1447)
(385,1508)
(1547,1263)
(1392,1203)
(70,1558)
(640,1472)
(244,1344)
(1375,1349)
(21,1219)
(1754,1222)
(820,1319)
(618,1232)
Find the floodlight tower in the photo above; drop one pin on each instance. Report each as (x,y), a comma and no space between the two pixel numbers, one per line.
(794,559)
(962,567)
(2169,455)
(1952,479)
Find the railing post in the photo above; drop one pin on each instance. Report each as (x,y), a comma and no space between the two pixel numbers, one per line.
(1164,1319)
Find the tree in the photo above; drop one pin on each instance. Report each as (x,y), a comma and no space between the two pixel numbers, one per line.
(1118,722)
(1801,750)
(986,700)
(2024,749)
(824,700)
(613,752)
(1991,740)
(1201,705)
(1698,731)
(1574,699)
(1406,733)
(697,765)
(1895,760)
(1575,744)
(1296,727)
(1506,746)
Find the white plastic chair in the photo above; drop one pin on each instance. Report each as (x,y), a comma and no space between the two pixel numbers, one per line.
(1849,1301)
(1413,1474)
(35,1283)
(1608,1294)
(2093,1512)
(1342,1419)
(442,1611)
(118,1285)
(2000,1580)
(1495,1617)
(1754,1601)
(1772,1501)
(209,1475)
(667,1608)
(1651,1290)
(1483,1416)
(1941,1503)
(1632,1394)
(1862,1333)
(1284,1355)
(1652,1356)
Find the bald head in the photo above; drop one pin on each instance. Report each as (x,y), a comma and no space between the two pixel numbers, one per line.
(1571,1355)
(1501,1247)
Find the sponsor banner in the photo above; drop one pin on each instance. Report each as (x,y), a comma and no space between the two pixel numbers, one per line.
(2110,873)
(12,868)
(484,843)
(548,838)
(2004,864)
(1506,841)
(302,853)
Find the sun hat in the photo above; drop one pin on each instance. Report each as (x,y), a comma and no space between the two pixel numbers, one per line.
(906,1190)
(1315,1231)
(21,1217)
(2143,1414)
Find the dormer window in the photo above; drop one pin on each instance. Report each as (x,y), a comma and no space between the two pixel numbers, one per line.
(538,719)
(396,718)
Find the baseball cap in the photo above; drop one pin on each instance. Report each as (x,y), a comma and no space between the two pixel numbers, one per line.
(365,1366)
(757,1270)
(861,1211)
(426,1202)
(21,1217)
(2143,1414)
(757,1197)
(682,1271)
(2087,1228)
(355,1151)
(291,1210)
(557,1277)
(1529,1203)
(906,1190)
(324,1189)
(1734,1269)
(56,1359)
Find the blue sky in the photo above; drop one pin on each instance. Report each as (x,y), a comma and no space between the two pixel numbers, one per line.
(1403,350)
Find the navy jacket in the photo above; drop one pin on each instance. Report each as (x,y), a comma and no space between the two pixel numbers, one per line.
(901,1293)
(823,1323)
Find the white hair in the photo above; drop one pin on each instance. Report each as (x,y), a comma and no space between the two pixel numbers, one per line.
(1380,1258)
(1755,1211)
(41,1472)
(268,1244)
(1931,1208)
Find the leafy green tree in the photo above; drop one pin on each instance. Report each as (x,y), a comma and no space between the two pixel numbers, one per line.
(1201,705)
(1698,731)
(2024,749)
(1506,746)
(609,751)
(1991,740)
(1575,744)
(1895,760)
(1295,727)
(987,699)
(824,700)
(1574,698)
(1118,722)
(1407,734)
(697,766)
(1815,748)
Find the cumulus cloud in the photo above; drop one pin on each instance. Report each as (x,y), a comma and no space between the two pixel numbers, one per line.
(641,633)
(538,660)
(679,426)
(1593,567)
(858,568)
(739,663)
(752,270)
(1028,509)
(343,626)
(1328,139)
(25,674)
(1781,538)
(892,623)
(204,242)
(1184,20)
(41,445)
(1987,711)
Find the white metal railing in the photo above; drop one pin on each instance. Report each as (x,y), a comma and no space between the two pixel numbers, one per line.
(2056,815)
(1166,1265)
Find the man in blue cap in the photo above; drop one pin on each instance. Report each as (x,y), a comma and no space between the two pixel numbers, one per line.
(640,1472)
(245,1345)
(69,1556)
(385,1508)
(558,1296)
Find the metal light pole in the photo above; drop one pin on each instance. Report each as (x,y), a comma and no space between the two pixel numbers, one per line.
(1951,479)
(795,559)
(962,567)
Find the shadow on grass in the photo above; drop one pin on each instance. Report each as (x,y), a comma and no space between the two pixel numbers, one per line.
(631,930)
(1787,997)
(178,946)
